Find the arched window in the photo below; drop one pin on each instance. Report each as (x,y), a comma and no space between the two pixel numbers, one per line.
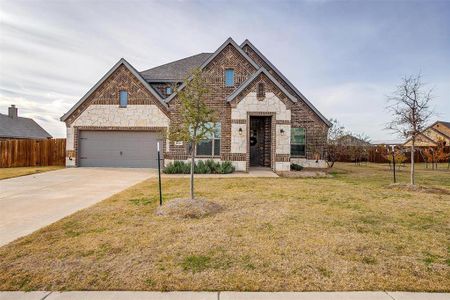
(260,90)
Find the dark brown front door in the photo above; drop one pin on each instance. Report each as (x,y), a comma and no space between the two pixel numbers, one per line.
(260,141)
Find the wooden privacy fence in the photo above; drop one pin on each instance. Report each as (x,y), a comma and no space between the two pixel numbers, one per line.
(30,153)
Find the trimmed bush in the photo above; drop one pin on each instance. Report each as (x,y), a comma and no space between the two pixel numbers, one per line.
(201,167)
(296,167)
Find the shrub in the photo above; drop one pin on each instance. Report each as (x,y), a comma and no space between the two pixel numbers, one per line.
(225,168)
(201,167)
(296,167)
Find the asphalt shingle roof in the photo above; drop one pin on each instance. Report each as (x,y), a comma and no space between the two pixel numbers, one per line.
(19,127)
(177,70)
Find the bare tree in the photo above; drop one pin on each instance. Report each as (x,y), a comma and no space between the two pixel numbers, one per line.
(334,140)
(409,105)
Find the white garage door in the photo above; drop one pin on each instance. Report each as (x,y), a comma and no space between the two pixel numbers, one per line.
(127,149)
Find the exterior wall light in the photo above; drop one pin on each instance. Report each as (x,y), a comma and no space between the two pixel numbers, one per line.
(240,131)
(282,131)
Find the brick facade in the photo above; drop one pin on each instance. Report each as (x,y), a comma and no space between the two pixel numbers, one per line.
(146,112)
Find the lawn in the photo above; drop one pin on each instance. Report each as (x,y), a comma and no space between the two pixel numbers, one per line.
(22,171)
(349,232)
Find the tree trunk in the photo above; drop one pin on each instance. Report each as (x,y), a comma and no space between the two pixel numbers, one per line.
(412,161)
(192,170)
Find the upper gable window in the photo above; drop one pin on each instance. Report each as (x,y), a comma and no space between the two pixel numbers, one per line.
(229,77)
(123,98)
(260,92)
(169,90)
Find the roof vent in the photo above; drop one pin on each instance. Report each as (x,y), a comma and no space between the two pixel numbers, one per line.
(12,111)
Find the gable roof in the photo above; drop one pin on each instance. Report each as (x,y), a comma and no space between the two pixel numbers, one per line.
(438,132)
(253,77)
(299,94)
(19,127)
(420,134)
(175,71)
(229,41)
(447,124)
(122,61)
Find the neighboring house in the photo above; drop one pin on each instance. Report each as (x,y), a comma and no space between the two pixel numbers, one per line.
(264,120)
(430,137)
(350,140)
(14,127)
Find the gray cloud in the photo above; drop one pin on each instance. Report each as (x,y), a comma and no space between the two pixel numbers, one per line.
(344,56)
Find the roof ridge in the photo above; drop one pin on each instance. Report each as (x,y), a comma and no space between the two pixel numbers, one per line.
(135,73)
(264,71)
(178,60)
(286,80)
(229,41)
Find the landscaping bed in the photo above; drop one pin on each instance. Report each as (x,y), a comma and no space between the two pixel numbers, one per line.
(348,232)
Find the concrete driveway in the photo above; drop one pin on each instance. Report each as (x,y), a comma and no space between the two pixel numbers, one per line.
(30,202)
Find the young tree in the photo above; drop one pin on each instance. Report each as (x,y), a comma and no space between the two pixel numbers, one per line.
(197,120)
(410,110)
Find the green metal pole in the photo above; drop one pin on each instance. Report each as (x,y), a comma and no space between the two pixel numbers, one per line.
(159,176)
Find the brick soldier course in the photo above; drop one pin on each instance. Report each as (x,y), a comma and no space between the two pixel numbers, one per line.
(259,89)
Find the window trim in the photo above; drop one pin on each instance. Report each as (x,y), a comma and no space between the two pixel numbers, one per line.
(232,78)
(290,152)
(213,141)
(166,90)
(120,102)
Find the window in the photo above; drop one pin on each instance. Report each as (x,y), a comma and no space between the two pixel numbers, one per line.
(298,141)
(123,98)
(168,90)
(260,90)
(229,77)
(211,146)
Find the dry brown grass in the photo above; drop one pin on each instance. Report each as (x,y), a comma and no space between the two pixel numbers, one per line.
(188,208)
(343,233)
(22,171)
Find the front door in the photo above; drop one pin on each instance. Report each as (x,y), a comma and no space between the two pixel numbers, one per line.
(260,141)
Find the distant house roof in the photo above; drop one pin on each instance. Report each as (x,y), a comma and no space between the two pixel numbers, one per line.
(445,123)
(353,140)
(175,71)
(387,142)
(21,128)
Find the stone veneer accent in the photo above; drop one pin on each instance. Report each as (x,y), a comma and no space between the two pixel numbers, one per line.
(271,105)
(310,163)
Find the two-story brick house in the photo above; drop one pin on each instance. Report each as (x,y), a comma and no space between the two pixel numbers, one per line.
(263,119)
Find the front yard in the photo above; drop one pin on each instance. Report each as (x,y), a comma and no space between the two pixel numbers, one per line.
(349,232)
(6,173)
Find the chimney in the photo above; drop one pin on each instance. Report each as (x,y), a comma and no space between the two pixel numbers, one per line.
(12,111)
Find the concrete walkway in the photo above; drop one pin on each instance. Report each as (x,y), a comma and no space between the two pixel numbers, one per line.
(223,296)
(31,202)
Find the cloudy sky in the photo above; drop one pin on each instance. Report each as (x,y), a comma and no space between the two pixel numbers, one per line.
(346,57)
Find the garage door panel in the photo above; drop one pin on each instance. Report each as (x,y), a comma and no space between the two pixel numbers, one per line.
(118,149)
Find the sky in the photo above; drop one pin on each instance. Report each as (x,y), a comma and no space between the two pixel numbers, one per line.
(346,57)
